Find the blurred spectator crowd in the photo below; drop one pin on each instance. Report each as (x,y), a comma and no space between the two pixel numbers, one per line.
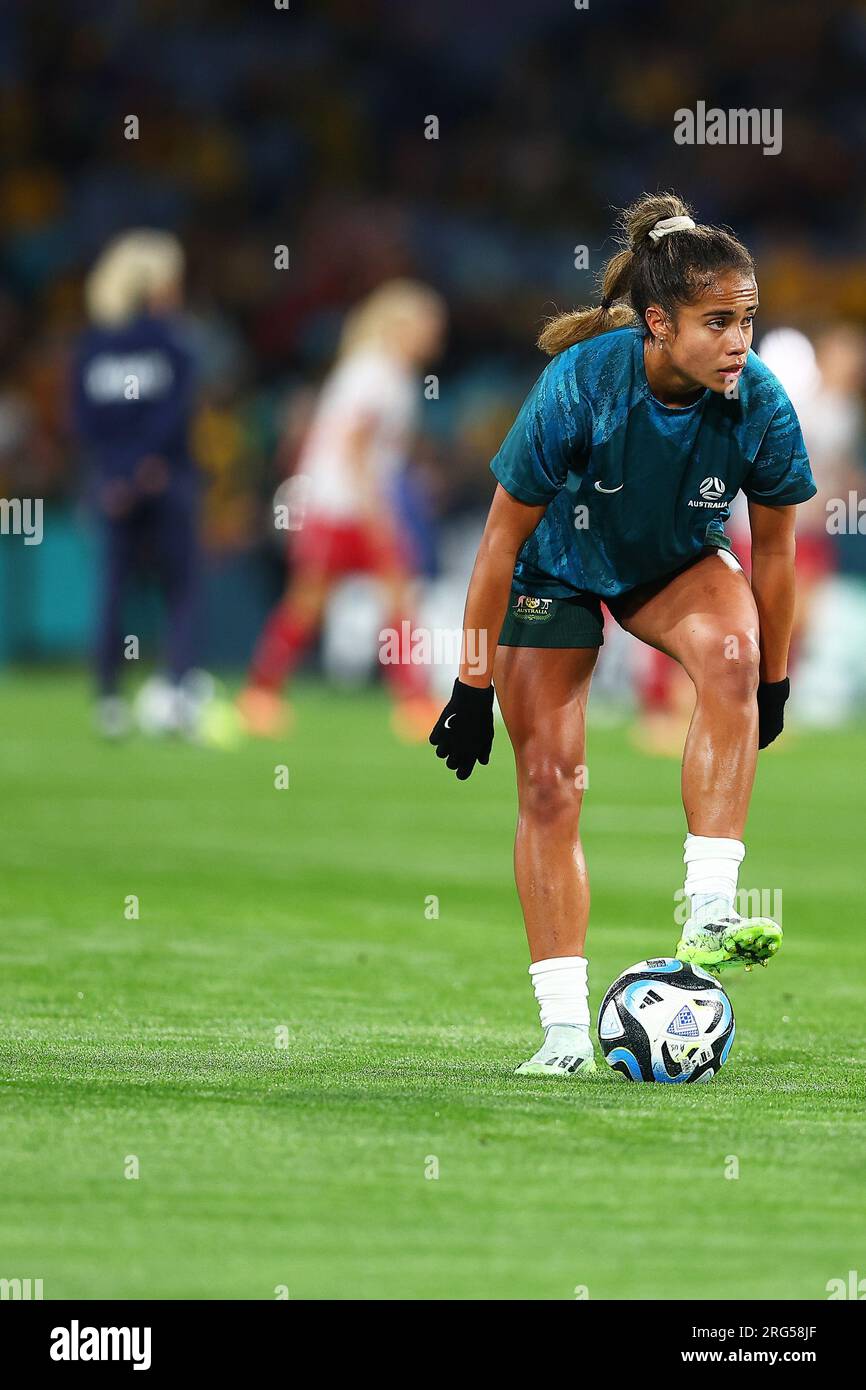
(306,127)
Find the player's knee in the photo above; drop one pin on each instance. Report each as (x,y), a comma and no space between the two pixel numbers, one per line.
(730,666)
(551,789)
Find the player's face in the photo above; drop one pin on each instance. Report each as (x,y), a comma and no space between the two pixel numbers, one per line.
(167,299)
(713,335)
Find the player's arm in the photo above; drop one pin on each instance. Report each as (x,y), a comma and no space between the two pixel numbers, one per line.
(551,435)
(359,441)
(779,479)
(463,734)
(509,524)
(773,550)
(157,432)
(374,508)
(773,587)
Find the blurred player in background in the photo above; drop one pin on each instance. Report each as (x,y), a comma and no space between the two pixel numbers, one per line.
(347,518)
(133,399)
(833,427)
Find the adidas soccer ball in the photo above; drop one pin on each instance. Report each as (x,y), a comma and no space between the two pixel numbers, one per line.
(664,1020)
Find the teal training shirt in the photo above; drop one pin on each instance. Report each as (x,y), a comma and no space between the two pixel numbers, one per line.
(636,488)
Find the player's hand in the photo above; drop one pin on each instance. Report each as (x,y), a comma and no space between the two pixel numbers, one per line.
(771,709)
(463,733)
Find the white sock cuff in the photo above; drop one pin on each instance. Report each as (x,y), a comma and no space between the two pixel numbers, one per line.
(712,847)
(561,990)
(558,963)
(712,864)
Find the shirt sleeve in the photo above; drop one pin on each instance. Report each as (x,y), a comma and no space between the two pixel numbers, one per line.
(780,474)
(551,436)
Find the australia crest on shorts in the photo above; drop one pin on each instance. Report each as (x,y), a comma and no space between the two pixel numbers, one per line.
(532,609)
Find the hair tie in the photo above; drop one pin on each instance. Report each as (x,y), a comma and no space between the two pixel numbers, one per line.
(606,303)
(670,224)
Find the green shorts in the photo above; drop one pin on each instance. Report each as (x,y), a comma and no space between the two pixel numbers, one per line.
(552,622)
(578,621)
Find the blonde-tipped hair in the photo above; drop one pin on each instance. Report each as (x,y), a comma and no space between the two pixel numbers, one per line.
(133,267)
(667,272)
(374,321)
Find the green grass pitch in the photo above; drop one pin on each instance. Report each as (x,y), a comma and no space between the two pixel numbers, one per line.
(310,1165)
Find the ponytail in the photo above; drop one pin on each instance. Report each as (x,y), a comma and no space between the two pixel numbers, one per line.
(651,267)
(575,327)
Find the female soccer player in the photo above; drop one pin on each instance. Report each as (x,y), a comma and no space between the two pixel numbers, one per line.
(357,444)
(614,483)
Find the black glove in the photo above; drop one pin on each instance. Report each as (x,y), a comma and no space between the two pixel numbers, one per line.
(464,730)
(771,709)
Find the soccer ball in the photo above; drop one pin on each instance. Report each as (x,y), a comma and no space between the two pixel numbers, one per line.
(664,1020)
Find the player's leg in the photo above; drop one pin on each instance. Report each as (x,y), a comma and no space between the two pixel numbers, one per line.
(415,709)
(543,695)
(666,699)
(178,554)
(318,558)
(118,539)
(181,700)
(290,628)
(288,632)
(387,556)
(705,618)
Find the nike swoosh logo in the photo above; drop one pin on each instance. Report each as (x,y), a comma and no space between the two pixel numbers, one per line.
(448,720)
(599,488)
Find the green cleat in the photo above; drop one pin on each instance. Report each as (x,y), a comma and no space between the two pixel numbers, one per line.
(745,941)
(566,1051)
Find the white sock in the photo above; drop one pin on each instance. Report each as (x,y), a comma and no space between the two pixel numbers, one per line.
(561,990)
(712,868)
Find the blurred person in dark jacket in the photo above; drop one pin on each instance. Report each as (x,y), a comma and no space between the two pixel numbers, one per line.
(133,401)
